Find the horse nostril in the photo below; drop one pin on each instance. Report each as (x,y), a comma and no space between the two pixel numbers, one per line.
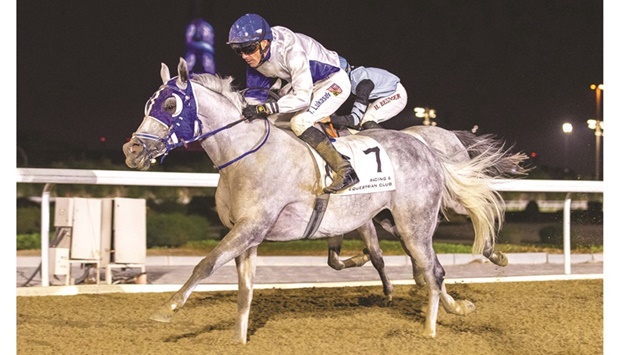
(134,148)
(131,148)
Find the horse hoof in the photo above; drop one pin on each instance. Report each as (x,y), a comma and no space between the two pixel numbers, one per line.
(388,291)
(465,307)
(239,339)
(163,315)
(427,333)
(499,259)
(388,301)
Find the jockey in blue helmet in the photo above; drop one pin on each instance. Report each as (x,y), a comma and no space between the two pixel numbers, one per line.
(246,34)
(316,85)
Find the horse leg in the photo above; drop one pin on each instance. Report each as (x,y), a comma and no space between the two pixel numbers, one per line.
(416,235)
(233,244)
(334,245)
(369,236)
(418,277)
(203,269)
(497,258)
(433,273)
(386,220)
(372,252)
(461,307)
(450,305)
(246,269)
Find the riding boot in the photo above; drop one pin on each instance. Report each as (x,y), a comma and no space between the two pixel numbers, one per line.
(371,125)
(344,174)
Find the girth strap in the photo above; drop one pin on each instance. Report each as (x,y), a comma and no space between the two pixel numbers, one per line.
(320,202)
(320,205)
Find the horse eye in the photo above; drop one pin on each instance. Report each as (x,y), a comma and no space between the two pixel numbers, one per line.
(170,105)
(174,105)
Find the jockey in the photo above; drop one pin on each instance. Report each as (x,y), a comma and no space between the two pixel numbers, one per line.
(379,96)
(317,84)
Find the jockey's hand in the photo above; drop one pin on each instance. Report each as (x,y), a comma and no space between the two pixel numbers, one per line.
(252,112)
(342,121)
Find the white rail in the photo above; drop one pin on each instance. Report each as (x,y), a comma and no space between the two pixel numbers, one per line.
(49,177)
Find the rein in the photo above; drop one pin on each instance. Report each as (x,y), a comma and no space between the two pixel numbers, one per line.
(206,135)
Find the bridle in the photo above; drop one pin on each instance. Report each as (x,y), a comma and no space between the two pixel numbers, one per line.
(179,125)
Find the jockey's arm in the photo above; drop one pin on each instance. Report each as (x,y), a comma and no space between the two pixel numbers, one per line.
(360,105)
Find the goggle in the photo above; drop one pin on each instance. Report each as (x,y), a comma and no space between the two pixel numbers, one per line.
(246,49)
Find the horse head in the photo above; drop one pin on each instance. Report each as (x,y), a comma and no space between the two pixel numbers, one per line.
(170,120)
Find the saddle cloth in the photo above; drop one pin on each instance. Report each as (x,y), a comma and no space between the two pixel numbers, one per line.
(370,161)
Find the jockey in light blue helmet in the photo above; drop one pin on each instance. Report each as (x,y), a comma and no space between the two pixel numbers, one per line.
(246,34)
(344,65)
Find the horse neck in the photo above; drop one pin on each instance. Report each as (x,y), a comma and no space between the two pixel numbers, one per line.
(215,112)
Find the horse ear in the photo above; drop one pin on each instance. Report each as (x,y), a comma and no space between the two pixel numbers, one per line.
(183,72)
(165,73)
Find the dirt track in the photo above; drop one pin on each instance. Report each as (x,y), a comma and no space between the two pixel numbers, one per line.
(556,317)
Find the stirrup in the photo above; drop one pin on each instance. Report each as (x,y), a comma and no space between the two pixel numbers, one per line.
(350,178)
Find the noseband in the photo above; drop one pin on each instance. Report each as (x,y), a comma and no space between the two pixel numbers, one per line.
(185,127)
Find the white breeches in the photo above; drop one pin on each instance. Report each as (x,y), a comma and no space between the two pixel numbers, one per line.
(384,108)
(327,96)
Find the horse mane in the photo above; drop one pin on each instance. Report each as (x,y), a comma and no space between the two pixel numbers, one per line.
(222,86)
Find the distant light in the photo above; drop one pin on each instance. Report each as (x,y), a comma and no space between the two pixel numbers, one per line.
(567,128)
(594,86)
(591,123)
(102,139)
(474,129)
(533,154)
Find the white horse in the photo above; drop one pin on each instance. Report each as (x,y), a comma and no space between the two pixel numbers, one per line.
(268,187)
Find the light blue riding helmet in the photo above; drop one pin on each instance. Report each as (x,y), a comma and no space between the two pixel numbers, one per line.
(249,28)
(344,65)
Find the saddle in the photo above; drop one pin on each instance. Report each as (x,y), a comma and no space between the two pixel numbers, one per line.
(371,163)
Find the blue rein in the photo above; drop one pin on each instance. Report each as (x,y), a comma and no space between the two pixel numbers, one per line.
(209,134)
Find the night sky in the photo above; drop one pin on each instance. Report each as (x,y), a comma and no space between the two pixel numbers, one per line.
(516,68)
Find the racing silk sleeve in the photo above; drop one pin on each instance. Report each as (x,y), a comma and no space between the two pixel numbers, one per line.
(385,82)
(299,60)
(300,94)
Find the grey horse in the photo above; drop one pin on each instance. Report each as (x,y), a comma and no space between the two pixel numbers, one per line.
(459,146)
(268,186)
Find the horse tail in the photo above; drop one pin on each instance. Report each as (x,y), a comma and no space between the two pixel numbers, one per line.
(508,165)
(467,183)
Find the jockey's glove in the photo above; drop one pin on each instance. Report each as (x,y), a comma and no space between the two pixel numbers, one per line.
(343,121)
(252,112)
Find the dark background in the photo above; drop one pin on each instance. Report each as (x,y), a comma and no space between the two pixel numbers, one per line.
(516,68)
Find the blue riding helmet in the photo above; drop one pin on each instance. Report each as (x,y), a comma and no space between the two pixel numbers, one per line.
(249,28)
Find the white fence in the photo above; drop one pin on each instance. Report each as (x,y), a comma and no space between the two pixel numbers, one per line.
(545,205)
(50,177)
